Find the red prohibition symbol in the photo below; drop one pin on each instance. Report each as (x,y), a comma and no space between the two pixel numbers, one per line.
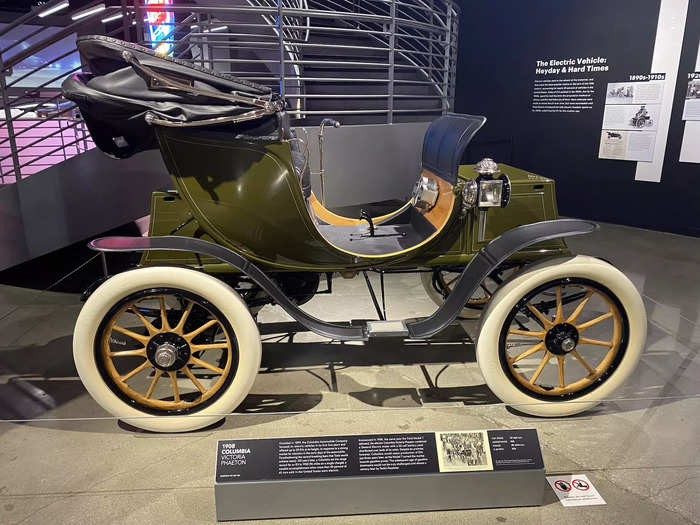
(580,484)
(562,485)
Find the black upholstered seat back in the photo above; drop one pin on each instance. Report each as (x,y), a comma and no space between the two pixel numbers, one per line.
(445,142)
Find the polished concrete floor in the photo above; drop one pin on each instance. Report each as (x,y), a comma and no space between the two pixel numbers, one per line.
(73,463)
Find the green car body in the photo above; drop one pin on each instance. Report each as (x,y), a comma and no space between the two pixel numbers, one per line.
(249,199)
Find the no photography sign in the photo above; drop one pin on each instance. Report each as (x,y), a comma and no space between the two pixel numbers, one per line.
(575,490)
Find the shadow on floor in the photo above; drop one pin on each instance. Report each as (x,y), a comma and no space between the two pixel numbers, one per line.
(41,380)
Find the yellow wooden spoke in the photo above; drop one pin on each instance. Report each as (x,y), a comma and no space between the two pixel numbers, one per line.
(560,359)
(142,338)
(527,333)
(204,364)
(447,285)
(528,352)
(135,371)
(559,315)
(151,329)
(543,363)
(194,380)
(183,319)
(163,314)
(579,308)
(584,340)
(581,360)
(597,320)
(152,387)
(546,322)
(195,333)
(211,346)
(122,353)
(176,390)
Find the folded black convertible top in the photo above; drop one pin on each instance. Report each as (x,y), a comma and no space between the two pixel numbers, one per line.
(130,88)
(103,54)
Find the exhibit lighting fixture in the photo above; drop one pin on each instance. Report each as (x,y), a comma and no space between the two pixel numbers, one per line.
(87,12)
(111,18)
(210,30)
(54,9)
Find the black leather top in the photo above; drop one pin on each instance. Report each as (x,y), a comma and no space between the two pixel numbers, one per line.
(445,141)
(103,56)
(114,98)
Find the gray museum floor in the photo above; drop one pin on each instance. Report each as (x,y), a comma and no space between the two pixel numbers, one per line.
(641,449)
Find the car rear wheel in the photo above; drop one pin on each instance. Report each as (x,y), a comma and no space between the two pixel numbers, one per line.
(166,349)
(561,336)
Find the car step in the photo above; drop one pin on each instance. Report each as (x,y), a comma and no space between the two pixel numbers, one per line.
(386,329)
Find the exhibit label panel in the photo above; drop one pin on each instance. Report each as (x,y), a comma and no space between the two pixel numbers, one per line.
(630,119)
(356,474)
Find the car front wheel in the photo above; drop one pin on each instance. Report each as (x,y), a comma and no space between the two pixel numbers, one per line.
(561,336)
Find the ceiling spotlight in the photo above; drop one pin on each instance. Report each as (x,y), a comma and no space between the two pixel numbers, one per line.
(111,18)
(87,12)
(54,9)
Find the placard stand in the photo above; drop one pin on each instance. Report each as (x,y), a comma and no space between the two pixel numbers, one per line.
(377,473)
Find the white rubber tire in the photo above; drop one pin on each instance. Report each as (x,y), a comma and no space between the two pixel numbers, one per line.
(213,290)
(426,279)
(512,291)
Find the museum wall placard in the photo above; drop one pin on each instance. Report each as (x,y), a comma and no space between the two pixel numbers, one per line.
(594,94)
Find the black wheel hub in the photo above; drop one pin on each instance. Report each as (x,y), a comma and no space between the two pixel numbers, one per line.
(168,351)
(561,339)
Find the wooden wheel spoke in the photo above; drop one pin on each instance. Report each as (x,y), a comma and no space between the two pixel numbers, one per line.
(183,319)
(580,359)
(152,386)
(195,333)
(597,320)
(559,314)
(579,307)
(206,365)
(135,371)
(543,363)
(449,283)
(194,380)
(176,390)
(165,326)
(560,360)
(539,335)
(528,352)
(211,346)
(151,329)
(546,322)
(585,340)
(123,353)
(141,338)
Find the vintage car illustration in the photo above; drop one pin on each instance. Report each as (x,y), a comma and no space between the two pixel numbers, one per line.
(642,118)
(176,337)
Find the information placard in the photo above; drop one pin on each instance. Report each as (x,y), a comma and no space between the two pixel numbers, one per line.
(376,454)
(377,473)
(631,117)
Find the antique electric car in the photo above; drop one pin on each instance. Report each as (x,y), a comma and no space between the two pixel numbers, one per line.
(173,345)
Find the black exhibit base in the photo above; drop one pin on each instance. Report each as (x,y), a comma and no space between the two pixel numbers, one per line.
(378,473)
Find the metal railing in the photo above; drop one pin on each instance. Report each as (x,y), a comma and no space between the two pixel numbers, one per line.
(38,128)
(374,60)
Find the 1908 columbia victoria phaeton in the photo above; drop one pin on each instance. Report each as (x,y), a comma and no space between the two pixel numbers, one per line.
(177,336)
